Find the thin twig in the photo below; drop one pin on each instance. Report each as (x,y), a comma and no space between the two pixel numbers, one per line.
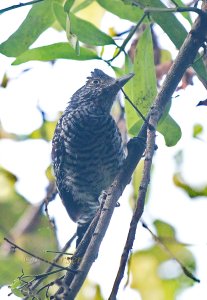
(14,246)
(56,259)
(200,12)
(18,6)
(166,249)
(137,110)
(128,38)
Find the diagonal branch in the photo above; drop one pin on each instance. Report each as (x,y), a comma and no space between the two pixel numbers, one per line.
(185,58)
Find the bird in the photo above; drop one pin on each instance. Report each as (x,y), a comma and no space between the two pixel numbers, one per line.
(87,149)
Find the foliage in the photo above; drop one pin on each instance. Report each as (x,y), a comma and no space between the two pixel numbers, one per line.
(84,40)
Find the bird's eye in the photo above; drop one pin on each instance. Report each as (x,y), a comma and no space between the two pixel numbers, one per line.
(96,81)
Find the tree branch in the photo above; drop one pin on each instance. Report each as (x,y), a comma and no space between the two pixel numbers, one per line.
(185,58)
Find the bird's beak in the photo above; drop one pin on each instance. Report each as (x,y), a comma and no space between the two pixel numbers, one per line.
(124,79)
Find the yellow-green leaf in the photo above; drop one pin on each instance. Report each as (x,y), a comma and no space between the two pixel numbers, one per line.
(39,18)
(55,51)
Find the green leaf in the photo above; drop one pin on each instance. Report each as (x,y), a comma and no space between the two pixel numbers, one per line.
(177,33)
(122,10)
(46,131)
(164,230)
(84,30)
(191,191)
(82,5)
(39,18)
(152,276)
(15,288)
(197,129)
(170,130)
(88,33)
(201,70)
(68,4)
(55,51)
(142,88)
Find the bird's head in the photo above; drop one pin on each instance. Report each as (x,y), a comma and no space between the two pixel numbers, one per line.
(100,89)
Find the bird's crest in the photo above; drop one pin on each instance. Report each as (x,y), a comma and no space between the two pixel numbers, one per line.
(97,73)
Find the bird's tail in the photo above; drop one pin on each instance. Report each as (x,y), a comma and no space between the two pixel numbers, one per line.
(81,230)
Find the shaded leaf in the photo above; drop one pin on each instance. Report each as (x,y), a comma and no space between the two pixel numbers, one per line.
(4,81)
(192,191)
(122,10)
(68,4)
(170,130)
(55,51)
(203,102)
(177,33)
(39,18)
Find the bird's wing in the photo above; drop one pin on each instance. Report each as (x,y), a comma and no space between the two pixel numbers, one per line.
(58,158)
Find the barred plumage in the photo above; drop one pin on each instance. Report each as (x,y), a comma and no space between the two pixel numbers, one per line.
(87,149)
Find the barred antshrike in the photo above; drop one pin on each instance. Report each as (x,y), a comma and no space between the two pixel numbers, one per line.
(87,150)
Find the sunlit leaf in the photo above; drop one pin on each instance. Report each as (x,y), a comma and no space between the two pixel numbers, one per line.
(84,30)
(155,275)
(49,173)
(197,129)
(82,6)
(165,56)
(39,18)
(88,33)
(15,288)
(55,51)
(142,88)
(192,191)
(124,11)
(136,180)
(164,230)
(90,291)
(46,131)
